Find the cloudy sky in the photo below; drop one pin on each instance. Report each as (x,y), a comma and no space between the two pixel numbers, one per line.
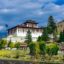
(13,12)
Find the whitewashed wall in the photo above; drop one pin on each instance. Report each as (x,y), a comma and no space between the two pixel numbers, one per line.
(21,35)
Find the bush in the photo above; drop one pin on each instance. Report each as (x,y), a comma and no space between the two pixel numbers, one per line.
(17,54)
(39,39)
(42,47)
(17,45)
(52,49)
(11,44)
(34,49)
(3,44)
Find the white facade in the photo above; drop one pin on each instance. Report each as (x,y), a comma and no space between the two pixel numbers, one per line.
(19,35)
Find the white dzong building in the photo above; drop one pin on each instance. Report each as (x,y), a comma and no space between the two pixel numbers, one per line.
(18,33)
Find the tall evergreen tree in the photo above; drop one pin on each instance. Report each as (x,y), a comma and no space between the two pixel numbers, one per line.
(28,37)
(44,36)
(51,25)
(52,28)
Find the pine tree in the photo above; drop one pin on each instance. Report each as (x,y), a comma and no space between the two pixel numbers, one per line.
(51,25)
(52,28)
(44,36)
(28,37)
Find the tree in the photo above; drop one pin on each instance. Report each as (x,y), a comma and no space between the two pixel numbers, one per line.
(17,45)
(34,49)
(51,25)
(44,36)
(42,47)
(28,37)
(3,43)
(61,38)
(52,28)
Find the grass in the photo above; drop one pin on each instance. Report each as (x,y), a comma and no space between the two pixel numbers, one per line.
(14,54)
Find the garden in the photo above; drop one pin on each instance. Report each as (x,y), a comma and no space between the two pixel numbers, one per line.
(36,51)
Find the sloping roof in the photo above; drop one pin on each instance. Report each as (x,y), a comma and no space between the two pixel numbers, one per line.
(30,21)
(60,22)
(24,26)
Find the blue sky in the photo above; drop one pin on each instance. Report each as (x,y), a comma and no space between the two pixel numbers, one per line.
(13,12)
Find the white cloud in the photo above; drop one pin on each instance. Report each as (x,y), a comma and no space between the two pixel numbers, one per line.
(5,10)
(31,5)
(38,12)
(56,10)
(29,8)
(23,5)
(46,1)
(1,28)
